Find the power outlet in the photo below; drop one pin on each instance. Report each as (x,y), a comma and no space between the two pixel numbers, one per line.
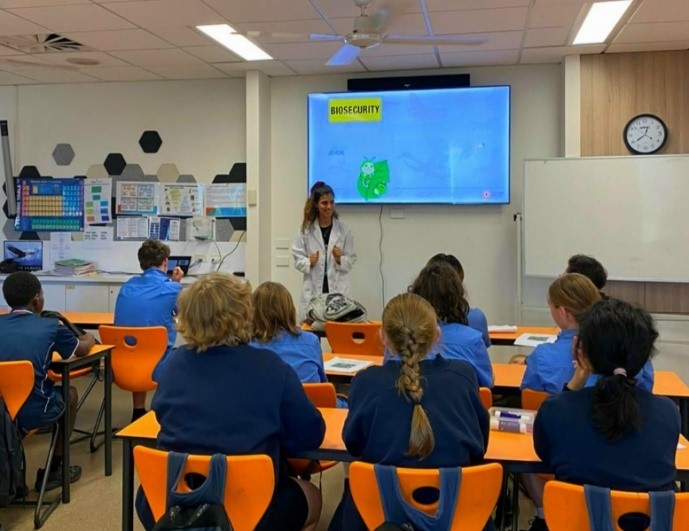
(199,258)
(215,259)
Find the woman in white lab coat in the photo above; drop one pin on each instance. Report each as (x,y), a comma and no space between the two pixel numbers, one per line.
(323,249)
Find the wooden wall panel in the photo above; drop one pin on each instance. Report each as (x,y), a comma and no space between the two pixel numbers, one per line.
(615,88)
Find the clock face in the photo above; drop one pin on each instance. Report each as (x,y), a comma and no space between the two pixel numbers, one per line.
(645,134)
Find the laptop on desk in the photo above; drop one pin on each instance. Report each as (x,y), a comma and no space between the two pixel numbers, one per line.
(183,262)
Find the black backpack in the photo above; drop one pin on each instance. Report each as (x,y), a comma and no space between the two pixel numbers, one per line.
(12,461)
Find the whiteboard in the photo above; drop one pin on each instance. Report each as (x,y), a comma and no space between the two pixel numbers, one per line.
(631,213)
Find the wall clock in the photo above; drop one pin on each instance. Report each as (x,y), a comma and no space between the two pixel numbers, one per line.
(645,134)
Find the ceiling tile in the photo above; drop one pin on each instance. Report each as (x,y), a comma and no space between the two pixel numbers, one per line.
(310,50)
(270,68)
(157,57)
(212,54)
(314,66)
(452,5)
(4,50)
(347,8)
(263,10)
(13,25)
(400,62)
(187,72)
(539,37)
(498,57)
(662,11)
(411,24)
(389,48)
(128,39)
(180,36)
(647,46)
(62,58)
(478,20)
(564,14)
(7,78)
(162,13)
(554,54)
(282,31)
(4,4)
(653,32)
(53,75)
(501,40)
(73,18)
(119,73)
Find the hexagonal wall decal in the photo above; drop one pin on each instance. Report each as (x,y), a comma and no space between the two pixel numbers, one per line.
(96,171)
(222,178)
(150,142)
(185,178)
(223,230)
(168,173)
(114,163)
(28,172)
(63,154)
(131,171)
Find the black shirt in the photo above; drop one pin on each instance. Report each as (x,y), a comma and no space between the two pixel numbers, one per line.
(325,232)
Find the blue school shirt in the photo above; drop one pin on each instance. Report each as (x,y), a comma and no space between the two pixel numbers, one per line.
(549,367)
(460,342)
(644,380)
(477,320)
(302,352)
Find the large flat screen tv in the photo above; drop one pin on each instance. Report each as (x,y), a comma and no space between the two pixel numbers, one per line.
(419,146)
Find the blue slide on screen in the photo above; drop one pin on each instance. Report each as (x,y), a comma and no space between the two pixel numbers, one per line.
(418,146)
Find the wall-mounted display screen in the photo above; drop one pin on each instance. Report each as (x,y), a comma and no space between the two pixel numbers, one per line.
(419,146)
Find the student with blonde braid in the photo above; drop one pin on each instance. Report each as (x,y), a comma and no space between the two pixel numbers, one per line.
(402,414)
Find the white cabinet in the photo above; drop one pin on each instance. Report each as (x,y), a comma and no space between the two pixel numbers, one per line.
(112,296)
(54,296)
(83,297)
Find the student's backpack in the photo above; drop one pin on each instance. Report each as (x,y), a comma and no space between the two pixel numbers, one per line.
(334,307)
(12,461)
(201,509)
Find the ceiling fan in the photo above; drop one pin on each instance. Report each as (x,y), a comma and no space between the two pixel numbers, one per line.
(368,32)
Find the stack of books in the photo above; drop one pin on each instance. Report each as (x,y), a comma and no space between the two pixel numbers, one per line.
(512,419)
(73,266)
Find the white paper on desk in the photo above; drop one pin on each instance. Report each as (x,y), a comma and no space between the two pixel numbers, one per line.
(502,328)
(345,365)
(533,340)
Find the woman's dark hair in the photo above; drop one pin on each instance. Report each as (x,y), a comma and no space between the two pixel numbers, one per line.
(616,338)
(318,190)
(449,259)
(589,267)
(440,285)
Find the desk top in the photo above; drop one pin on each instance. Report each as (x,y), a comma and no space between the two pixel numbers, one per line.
(507,338)
(90,318)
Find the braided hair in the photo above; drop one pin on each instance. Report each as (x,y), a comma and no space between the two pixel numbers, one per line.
(410,325)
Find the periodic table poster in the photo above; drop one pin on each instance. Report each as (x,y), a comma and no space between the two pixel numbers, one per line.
(55,205)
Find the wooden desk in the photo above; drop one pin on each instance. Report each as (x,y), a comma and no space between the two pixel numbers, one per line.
(63,368)
(91,320)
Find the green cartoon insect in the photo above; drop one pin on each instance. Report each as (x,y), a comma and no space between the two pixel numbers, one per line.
(373,178)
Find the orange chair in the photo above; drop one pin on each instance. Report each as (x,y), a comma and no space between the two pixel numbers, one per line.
(16,383)
(477,495)
(533,399)
(249,483)
(565,507)
(486,396)
(355,338)
(137,352)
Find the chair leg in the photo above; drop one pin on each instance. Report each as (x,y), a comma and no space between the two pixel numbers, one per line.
(41,516)
(95,432)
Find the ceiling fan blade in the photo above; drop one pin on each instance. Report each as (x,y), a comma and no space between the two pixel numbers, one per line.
(344,55)
(325,37)
(423,39)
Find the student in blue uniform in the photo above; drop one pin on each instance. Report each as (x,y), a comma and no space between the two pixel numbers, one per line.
(275,328)
(476,319)
(549,366)
(440,285)
(614,434)
(150,300)
(25,335)
(217,394)
(402,414)
(596,273)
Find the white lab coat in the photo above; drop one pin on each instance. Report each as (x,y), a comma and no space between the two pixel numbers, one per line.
(338,278)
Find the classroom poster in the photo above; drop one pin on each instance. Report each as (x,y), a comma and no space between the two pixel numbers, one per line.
(182,200)
(136,198)
(97,194)
(226,200)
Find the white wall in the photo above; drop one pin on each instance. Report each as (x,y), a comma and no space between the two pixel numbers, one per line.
(484,238)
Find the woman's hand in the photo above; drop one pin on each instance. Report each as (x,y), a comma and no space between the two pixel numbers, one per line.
(313,258)
(337,253)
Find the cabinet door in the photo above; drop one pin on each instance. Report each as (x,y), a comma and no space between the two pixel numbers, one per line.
(114,292)
(54,295)
(86,297)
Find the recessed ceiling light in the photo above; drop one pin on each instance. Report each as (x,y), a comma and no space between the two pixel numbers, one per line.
(233,41)
(601,19)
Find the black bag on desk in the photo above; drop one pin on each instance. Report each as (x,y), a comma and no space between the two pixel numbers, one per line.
(201,509)
(76,330)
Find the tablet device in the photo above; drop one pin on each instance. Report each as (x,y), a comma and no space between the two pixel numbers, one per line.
(183,262)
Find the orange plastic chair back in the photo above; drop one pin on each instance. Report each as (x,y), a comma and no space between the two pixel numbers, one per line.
(533,399)
(248,488)
(476,500)
(16,383)
(486,396)
(137,351)
(355,338)
(321,394)
(565,507)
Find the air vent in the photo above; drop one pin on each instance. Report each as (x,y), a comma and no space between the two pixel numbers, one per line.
(49,42)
